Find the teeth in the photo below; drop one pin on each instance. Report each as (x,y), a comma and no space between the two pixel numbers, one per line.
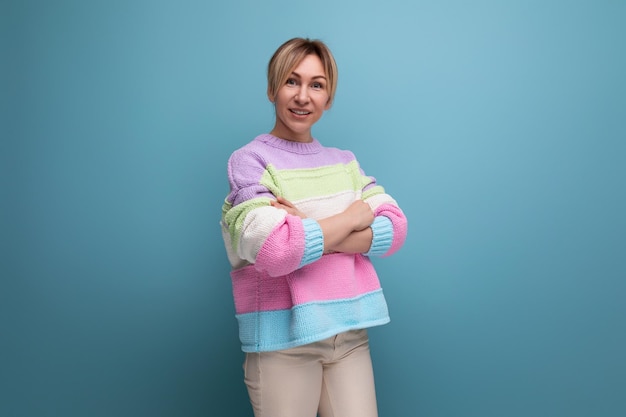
(300,112)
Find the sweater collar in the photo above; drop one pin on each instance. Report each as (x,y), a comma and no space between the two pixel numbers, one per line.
(290,146)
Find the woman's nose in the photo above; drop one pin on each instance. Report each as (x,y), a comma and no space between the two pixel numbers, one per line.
(302,95)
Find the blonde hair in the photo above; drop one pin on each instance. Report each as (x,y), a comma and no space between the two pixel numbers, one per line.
(290,54)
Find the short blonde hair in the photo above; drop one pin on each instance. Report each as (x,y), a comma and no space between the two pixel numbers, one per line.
(289,55)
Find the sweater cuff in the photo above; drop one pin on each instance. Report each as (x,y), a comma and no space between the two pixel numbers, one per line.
(313,242)
(382,236)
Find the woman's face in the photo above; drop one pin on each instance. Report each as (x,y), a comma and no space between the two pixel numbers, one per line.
(301,101)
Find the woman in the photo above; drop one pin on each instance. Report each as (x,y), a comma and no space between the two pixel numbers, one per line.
(300,224)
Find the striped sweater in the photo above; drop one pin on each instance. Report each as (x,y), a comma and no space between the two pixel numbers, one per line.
(287,292)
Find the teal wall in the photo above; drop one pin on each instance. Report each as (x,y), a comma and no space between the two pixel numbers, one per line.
(499,126)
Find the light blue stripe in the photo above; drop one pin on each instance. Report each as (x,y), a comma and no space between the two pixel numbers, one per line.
(382,236)
(307,323)
(313,242)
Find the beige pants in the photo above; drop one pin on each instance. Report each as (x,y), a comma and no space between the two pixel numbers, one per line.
(333,377)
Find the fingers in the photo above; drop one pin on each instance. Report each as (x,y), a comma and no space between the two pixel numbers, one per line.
(285,202)
(280,205)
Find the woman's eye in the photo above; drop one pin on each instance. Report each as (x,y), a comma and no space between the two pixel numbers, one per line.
(291,81)
(318,86)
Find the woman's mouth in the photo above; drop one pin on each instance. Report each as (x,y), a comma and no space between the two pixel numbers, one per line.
(300,112)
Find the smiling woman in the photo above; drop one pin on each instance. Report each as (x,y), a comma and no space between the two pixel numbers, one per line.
(300,224)
(301,101)
(497,125)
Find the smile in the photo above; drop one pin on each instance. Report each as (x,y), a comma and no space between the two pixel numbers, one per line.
(300,112)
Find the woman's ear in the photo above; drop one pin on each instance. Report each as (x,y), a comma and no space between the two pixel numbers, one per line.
(270,97)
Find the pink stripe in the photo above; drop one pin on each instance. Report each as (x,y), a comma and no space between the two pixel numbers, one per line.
(399,222)
(333,277)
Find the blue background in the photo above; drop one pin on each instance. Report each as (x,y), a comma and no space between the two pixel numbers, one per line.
(498,126)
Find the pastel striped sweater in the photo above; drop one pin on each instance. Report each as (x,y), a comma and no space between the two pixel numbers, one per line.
(287,292)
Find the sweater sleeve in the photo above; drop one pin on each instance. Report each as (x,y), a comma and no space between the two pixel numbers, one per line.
(291,245)
(382,236)
(389,228)
(259,234)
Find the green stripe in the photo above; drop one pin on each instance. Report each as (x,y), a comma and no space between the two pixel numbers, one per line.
(298,184)
(377,189)
(235,216)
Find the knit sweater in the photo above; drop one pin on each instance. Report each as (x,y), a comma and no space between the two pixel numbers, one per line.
(287,292)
